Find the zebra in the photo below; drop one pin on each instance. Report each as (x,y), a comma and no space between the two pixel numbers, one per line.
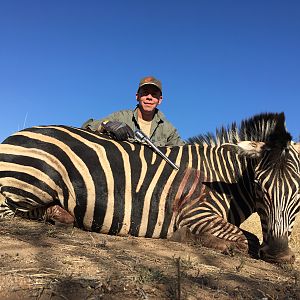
(124,188)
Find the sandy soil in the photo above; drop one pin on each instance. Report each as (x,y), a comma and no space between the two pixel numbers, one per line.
(43,261)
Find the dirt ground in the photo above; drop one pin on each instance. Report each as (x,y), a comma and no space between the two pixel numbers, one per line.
(43,261)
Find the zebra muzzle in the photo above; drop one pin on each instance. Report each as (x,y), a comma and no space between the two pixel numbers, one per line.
(277,251)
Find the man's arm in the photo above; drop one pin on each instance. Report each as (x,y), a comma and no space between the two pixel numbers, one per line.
(115,125)
(174,139)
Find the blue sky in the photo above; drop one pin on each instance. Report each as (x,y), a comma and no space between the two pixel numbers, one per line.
(62,62)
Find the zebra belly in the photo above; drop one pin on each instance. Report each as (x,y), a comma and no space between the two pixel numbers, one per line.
(136,217)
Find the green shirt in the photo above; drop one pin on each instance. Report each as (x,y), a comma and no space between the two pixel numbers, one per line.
(162,132)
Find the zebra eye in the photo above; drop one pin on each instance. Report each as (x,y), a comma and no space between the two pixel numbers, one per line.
(260,211)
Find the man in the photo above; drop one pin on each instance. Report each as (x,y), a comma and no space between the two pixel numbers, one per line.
(145,117)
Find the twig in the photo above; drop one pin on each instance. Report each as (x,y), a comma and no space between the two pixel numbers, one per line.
(265,296)
(57,294)
(93,239)
(25,120)
(28,270)
(41,291)
(178,279)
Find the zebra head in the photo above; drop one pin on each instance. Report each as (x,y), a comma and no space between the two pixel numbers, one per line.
(276,165)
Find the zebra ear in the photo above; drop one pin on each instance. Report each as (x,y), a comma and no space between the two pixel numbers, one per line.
(251,148)
(297,146)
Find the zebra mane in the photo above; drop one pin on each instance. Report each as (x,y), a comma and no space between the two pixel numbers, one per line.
(265,127)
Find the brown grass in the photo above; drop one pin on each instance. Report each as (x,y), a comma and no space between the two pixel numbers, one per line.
(42,261)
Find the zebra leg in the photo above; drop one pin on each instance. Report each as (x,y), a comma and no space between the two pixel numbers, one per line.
(206,239)
(13,204)
(219,235)
(9,211)
(5,210)
(52,212)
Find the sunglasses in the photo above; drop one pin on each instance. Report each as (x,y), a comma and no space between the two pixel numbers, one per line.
(145,92)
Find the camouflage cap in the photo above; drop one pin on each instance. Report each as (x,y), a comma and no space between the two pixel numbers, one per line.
(150,80)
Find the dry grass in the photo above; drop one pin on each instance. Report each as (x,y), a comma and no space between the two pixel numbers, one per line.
(41,261)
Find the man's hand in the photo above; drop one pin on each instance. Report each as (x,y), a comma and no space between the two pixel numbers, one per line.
(117,130)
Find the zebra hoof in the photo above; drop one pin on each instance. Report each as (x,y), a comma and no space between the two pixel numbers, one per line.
(181,235)
(56,213)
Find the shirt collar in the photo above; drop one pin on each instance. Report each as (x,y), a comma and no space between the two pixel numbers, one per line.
(158,115)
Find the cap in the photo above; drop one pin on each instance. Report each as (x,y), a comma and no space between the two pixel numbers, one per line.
(150,80)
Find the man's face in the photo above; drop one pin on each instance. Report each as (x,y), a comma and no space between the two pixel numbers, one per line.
(149,97)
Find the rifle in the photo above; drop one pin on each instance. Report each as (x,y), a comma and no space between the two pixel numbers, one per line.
(141,137)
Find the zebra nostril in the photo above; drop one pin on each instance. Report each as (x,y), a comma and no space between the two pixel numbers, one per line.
(261,254)
(293,258)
